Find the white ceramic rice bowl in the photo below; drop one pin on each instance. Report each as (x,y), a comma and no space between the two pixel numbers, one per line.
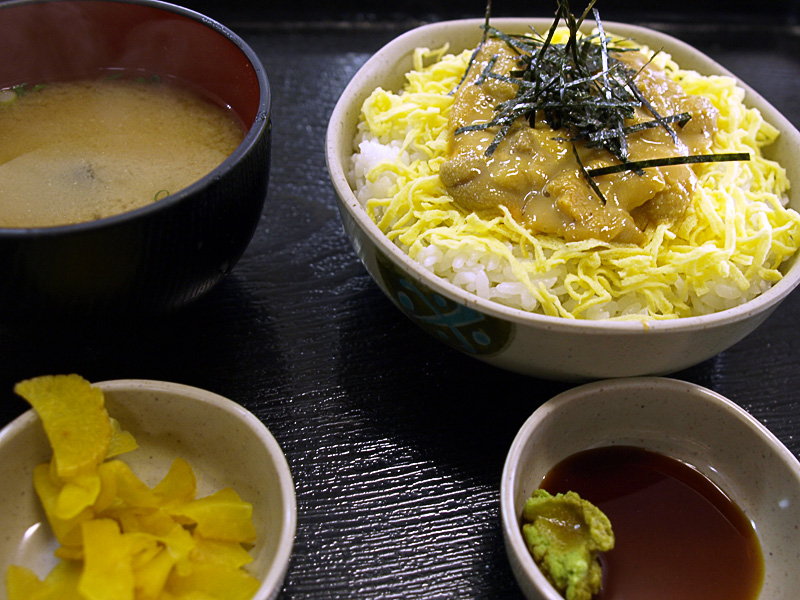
(513,339)
(676,418)
(225,445)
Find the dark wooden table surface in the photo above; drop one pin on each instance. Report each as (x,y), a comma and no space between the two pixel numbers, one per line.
(396,443)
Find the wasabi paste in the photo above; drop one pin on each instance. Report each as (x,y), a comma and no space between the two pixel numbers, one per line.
(565,534)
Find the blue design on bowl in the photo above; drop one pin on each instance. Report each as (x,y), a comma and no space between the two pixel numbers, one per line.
(457,325)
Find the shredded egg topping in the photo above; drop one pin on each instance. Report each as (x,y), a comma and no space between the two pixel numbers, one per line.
(726,250)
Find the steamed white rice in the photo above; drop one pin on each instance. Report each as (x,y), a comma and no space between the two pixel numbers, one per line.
(725,251)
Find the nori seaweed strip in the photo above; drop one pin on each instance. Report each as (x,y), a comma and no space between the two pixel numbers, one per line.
(590,79)
(536,60)
(652,110)
(604,55)
(501,134)
(486,17)
(598,136)
(622,140)
(580,87)
(515,41)
(574,27)
(668,161)
(584,104)
(522,83)
(577,75)
(499,121)
(477,126)
(587,177)
(487,71)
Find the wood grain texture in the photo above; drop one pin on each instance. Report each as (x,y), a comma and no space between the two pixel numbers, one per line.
(396,443)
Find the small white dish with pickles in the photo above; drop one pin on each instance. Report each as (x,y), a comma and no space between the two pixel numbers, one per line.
(226,447)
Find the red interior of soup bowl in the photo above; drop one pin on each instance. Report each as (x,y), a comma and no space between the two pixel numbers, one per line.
(77,39)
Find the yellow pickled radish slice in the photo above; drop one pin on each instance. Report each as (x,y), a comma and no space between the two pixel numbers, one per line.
(213,581)
(74,418)
(107,571)
(179,485)
(121,441)
(61,583)
(222,515)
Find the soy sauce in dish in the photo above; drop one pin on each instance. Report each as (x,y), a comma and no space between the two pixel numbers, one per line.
(678,535)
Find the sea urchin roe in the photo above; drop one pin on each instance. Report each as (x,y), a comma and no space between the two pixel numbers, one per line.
(533,171)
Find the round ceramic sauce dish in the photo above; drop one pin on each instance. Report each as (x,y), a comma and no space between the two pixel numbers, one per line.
(224,444)
(535,344)
(679,420)
(161,256)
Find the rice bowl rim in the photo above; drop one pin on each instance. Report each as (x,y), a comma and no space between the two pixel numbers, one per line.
(339,148)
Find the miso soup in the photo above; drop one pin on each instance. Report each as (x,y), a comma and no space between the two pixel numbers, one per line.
(86,150)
